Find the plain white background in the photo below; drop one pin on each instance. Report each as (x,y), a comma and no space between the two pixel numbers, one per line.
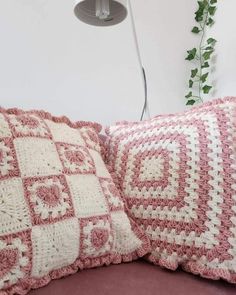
(49,60)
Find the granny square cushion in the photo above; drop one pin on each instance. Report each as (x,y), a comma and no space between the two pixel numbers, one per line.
(177,174)
(59,208)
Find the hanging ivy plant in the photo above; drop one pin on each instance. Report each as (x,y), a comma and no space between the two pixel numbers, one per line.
(201,56)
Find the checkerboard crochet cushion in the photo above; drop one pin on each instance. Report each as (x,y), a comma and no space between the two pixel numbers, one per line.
(178,176)
(59,208)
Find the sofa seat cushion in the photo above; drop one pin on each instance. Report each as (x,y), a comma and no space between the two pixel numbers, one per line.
(136,278)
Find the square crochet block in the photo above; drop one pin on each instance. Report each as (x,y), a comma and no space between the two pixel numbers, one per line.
(59,208)
(178,177)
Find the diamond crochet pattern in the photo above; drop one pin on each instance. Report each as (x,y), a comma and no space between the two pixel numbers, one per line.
(177,174)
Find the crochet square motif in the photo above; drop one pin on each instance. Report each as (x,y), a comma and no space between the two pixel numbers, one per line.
(75,159)
(49,199)
(97,236)
(37,157)
(28,125)
(12,197)
(55,245)
(87,194)
(15,257)
(178,177)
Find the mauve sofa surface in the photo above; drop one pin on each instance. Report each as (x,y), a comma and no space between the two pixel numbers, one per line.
(136,278)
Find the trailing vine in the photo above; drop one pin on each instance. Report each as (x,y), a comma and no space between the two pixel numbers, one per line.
(201,56)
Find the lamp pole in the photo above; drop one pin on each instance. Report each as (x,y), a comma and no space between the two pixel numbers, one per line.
(107,13)
(145,109)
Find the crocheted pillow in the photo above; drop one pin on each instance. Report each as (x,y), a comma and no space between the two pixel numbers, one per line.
(178,176)
(59,208)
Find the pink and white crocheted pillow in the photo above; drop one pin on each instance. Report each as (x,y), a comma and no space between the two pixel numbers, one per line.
(59,208)
(178,176)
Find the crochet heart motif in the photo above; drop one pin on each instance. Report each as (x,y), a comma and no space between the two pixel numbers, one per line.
(28,121)
(75,157)
(8,258)
(49,195)
(99,237)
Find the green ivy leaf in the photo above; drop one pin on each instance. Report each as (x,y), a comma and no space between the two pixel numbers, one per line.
(190,94)
(190,83)
(211,41)
(205,3)
(212,10)
(190,102)
(210,22)
(196,30)
(203,78)
(213,2)
(209,48)
(199,16)
(194,73)
(206,89)
(200,12)
(207,55)
(191,54)
(205,65)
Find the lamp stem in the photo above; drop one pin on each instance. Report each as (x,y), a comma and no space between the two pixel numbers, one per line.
(142,69)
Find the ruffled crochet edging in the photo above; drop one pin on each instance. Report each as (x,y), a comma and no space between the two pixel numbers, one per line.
(48,116)
(195,268)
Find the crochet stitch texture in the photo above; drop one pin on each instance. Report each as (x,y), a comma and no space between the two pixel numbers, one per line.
(59,208)
(177,174)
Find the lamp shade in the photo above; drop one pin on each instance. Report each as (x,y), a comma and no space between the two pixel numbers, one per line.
(85,10)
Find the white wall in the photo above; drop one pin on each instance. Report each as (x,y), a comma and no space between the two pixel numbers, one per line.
(225,32)
(49,60)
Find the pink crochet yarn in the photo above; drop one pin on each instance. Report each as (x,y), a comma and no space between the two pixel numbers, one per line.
(178,177)
(59,209)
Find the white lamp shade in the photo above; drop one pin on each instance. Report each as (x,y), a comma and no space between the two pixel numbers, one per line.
(85,10)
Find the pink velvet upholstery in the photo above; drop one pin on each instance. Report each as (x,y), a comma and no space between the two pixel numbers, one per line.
(136,278)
